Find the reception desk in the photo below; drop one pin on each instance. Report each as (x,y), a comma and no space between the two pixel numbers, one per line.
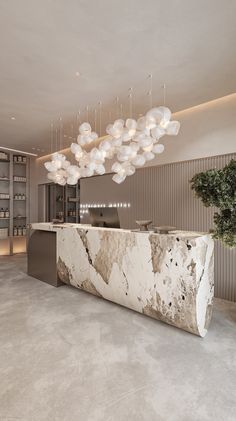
(168,277)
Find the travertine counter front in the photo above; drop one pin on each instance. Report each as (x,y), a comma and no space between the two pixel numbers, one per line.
(166,276)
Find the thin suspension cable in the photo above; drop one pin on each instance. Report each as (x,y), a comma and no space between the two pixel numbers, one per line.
(100,118)
(117,107)
(72,131)
(150,90)
(130,102)
(56,142)
(60,138)
(121,110)
(95,120)
(164,94)
(51,139)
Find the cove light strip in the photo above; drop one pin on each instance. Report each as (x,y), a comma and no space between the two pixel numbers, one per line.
(16,150)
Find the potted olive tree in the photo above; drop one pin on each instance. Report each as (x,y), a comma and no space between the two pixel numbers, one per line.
(218,188)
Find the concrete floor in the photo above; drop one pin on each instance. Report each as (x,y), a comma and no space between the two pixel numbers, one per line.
(68,356)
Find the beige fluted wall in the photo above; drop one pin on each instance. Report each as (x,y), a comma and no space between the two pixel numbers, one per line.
(163,194)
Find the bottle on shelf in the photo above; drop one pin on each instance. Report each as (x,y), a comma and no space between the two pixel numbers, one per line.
(4,156)
(7,213)
(24,230)
(15,231)
(4,196)
(2,213)
(19,231)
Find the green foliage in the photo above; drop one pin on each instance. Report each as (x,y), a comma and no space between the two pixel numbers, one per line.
(218,188)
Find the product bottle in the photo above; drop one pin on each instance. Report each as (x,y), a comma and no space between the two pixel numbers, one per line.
(20,231)
(7,213)
(15,231)
(2,214)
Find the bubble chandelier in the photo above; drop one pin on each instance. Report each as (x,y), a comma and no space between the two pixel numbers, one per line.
(129,143)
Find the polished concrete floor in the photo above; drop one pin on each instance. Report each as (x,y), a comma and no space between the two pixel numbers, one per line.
(68,356)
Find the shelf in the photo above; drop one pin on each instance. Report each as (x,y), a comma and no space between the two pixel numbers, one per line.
(19,200)
(72,200)
(4,218)
(6,198)
(19,217)
(17,181)
(19,163)
(4,160)
(4,179)
(18,236)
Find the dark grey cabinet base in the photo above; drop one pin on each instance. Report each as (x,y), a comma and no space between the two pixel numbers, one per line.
(42,257)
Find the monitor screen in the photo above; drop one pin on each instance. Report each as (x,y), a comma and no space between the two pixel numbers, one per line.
(104,217)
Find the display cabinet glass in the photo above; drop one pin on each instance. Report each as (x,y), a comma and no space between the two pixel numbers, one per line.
(14,195)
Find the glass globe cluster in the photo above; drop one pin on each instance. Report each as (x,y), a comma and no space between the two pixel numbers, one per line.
(131,143)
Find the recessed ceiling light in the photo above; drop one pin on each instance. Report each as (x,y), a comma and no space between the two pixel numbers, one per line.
(13,118)
(77,74)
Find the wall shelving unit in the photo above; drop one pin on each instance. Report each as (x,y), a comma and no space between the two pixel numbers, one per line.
(62,202)
(14,198)
(72,203)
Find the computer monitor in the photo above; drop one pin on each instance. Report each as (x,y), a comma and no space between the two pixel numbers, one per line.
(104,217)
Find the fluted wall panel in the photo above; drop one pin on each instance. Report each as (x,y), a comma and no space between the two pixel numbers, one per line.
(163,194)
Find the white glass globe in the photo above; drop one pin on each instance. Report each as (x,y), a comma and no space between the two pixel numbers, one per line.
(138,161)
(75,148)
(105,145)
(72,180)
(85,129)
(157,132)
(116,167)
(62,182)
(130,170)
(141,123)
(92,166)
(126,136)
(122,158)
(173,128)
(88,172)
(118,178)
(131,124)
(100,169)
(65,164)
(145,142)
(148,156)
(119,124)
(158,148)
(125,150)
(56,156)
(94,135)
(96,155)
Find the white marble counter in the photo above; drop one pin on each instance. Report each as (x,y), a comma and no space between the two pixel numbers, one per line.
(166,276)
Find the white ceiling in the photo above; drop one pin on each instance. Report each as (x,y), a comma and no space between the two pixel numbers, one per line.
(114,44)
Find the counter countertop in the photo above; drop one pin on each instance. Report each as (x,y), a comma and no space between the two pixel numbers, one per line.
(48,226)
